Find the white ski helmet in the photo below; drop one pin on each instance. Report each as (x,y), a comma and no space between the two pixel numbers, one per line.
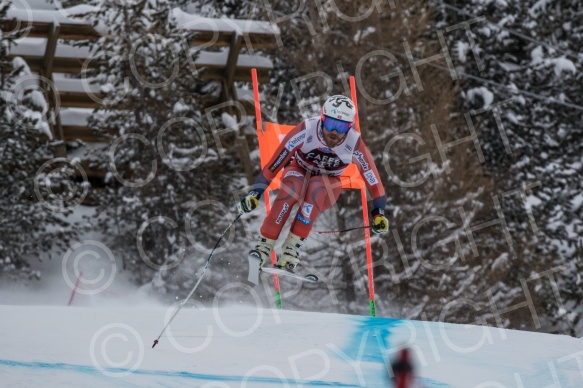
(339,107)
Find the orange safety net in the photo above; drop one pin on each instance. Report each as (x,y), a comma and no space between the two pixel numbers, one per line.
(269,140)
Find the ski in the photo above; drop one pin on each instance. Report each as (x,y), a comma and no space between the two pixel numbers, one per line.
(277,271)
(254,267)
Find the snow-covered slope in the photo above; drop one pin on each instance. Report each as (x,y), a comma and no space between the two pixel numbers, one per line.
(51,346)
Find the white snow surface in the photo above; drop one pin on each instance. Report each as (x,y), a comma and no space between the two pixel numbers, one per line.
(60,346)
(563,64)
(200,23)
(539,7)
(461,49)
(73,15)
(60,16)
(35,47)
(536,55)
(485,93)
(104,339)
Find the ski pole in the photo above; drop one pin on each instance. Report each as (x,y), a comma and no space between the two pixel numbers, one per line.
(342,231)
(199,279)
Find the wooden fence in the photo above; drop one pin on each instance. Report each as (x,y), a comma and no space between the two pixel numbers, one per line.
(48,51)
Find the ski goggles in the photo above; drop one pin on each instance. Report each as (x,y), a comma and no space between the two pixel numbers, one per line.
(331,124)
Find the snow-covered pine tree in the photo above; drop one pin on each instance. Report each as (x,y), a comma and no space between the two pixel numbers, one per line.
(32,221)
(163,163)
(532,50)
(232,9)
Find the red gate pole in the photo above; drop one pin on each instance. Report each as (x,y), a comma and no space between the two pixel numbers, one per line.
(259,124)
(75,289)
(372,304)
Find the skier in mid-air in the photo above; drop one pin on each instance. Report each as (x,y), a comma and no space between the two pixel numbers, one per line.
(313,154)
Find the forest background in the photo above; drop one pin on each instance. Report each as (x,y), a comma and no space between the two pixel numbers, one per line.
(472,111)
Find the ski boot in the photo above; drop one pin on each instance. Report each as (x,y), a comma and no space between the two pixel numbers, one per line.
(258,256)
(290,256)
(262,250)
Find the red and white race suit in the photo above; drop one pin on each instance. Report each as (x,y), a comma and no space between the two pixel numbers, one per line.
(311,176)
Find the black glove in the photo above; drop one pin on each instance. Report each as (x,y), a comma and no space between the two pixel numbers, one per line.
(380,223)
(249,202)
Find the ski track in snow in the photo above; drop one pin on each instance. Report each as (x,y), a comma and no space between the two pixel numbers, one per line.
(55,346)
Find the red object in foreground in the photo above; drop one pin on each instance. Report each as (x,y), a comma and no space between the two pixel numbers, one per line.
(403,370)
(155,343)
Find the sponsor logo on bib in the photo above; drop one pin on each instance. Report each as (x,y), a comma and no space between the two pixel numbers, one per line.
(294,141)
(282,213)
(279,160)
(307,209)
(371,178)
(303,220)
(360,157)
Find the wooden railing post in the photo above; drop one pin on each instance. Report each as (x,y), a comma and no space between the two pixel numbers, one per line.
(226,68)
